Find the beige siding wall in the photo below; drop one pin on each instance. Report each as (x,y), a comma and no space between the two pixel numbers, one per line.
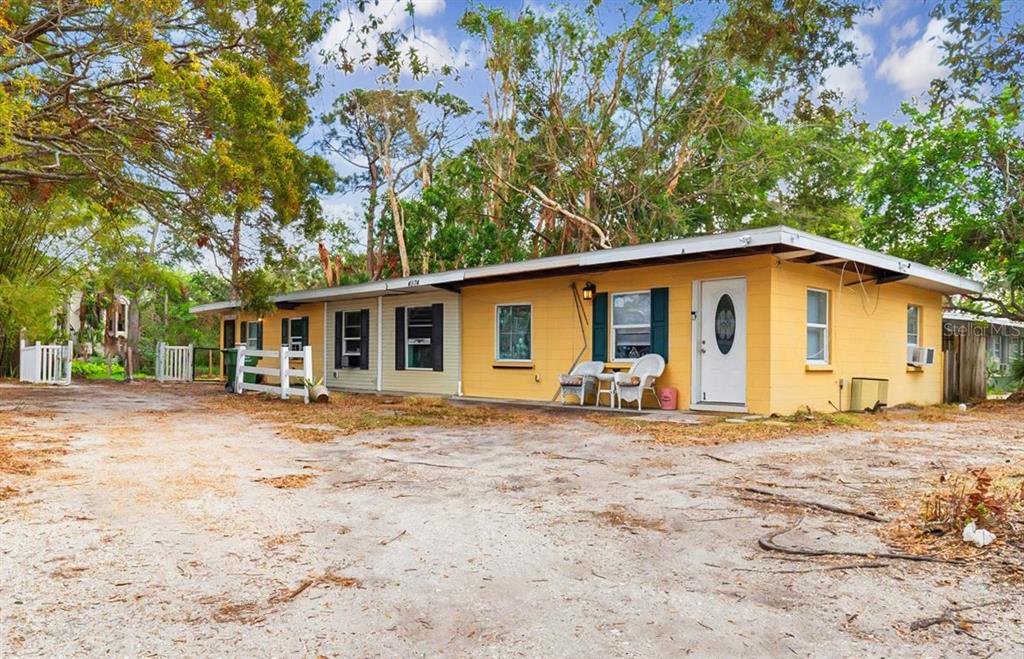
(352,378)
(434,382)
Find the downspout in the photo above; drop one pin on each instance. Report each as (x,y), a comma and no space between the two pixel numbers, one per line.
(581,316)
(324,335)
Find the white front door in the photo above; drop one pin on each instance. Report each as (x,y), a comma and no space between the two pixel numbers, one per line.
(721,348)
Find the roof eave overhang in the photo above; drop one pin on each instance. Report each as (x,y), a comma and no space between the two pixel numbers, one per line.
(916,273)
(779,239)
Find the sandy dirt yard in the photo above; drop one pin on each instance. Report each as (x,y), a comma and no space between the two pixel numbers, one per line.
(163,520)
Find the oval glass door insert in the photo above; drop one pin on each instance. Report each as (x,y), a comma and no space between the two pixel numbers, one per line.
(725,324)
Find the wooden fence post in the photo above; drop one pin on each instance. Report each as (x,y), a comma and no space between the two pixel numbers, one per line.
(191,363)
(307,371)
(159,361)
(284,372)
(67,362)
(239,365)
(22,361)
(38,375)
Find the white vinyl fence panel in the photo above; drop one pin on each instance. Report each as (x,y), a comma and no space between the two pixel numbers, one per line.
(174,363)
(45,364)
(283,371)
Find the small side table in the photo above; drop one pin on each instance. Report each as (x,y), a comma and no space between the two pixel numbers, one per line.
(610,379)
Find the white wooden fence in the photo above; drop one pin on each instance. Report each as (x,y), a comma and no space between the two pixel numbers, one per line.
(283,371)
(45,364)
(174,363)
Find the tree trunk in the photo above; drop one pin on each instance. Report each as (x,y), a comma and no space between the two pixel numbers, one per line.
(236,254)
(371,217)
(396,214)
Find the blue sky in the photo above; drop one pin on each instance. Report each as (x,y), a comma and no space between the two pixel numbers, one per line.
(899,46)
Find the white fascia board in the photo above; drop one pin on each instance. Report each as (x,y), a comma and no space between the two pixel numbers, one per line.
(533,265)
(334,293)
(919,274)
(424,281)
(683,246)
(211,307)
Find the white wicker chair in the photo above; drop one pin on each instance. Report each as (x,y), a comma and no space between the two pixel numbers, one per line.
(640,378)
(580,381)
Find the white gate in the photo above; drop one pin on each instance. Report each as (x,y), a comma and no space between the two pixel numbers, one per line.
(45,364)
(283,371)
(174,363)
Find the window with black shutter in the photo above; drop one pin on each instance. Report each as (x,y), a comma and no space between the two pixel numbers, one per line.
(419,330)
(352,339)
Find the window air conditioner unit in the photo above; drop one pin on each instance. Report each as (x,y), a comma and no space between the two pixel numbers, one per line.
(917,356)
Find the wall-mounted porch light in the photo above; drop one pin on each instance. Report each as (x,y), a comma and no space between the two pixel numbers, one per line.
(588,290)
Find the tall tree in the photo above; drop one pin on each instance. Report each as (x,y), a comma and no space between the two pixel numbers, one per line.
(394,137)
(186,112)
(946,184)
(650,130)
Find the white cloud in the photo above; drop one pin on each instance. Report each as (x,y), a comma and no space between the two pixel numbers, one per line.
(849,80)
(905,31)
(913,68)
(431,46)
(886,12)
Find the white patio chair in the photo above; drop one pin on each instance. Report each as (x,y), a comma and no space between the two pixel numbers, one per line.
(640,378)
(580,381)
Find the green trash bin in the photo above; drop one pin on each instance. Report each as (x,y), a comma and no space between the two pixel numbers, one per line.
(230,364)
(230,361)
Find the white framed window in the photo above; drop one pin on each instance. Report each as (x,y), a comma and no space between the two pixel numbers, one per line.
(419,327)
(817,326)
(631,325)
(913,325)
(514,327)
(252,334)
(351,338)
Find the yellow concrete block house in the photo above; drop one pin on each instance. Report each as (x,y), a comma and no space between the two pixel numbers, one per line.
(769,320)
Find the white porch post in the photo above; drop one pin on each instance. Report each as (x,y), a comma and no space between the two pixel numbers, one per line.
(380,343)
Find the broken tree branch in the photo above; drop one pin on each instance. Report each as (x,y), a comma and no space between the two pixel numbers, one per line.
(947,615)
(768,544)
(870,516)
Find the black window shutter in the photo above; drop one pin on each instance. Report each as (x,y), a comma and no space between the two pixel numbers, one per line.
(243,334)
(364,339)
(437,336)
(305,331)
(259,335)
(339,345)
(599,327)
(285,340)
(399,338)
(659,322)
